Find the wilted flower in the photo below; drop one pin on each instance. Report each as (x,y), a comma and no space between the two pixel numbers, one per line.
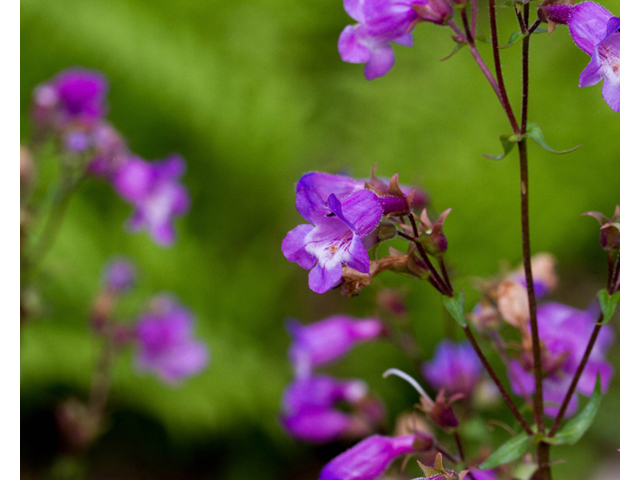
(368,459)
(597,33)
(513,303)
(335,236)
(155,192)
(564,333)
(325,341)
(455,367)
(543,271)
(164,336)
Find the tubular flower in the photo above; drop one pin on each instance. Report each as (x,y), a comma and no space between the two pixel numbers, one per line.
(156,194)
(597,32)
(368,459)
(381,22)
(561,355)
(335,236)
(329,339)
(455,368)
(309,412)
(165,343)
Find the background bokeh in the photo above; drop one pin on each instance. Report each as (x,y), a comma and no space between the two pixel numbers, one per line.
(253,94)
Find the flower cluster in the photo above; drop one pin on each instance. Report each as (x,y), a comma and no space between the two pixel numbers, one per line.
(71,109)
(310,403)
(507,300)
(350,216)
(162,335)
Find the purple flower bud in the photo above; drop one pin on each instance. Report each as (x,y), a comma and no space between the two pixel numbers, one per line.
(562,354)
(73,96)
(455,367)
(329,339)
(109,151)
(368,459)
(335,236)
(119,275)
(557,13)
(156,194)
(434,11)
(609,229)
(166,347)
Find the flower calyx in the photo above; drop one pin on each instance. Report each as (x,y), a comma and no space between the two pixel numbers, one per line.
(433,238)
(609,229)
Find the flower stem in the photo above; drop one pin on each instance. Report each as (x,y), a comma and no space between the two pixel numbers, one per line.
(576,377)
(496,380)
(544,469)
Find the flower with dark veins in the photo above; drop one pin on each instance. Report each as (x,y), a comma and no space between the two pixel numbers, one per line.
(334,237)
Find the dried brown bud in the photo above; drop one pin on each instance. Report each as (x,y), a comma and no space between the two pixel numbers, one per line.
(513,304)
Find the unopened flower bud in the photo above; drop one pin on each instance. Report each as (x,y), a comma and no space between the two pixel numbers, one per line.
(433,240)
(513,303)
(609,229)
(435,11)
(556,13)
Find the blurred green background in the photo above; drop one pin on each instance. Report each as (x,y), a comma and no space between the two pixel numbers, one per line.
(253,94)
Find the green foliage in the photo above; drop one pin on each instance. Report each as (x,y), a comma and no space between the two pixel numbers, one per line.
(577,426)
(455,306)
(509,451)
(534,132)
(608,304)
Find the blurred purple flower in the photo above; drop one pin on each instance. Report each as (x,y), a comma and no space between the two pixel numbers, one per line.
(455,367)
(381,22)
(564,332)
(597,32)
(156,194)
(110,151)
(166,347)
(309,412)
(74,96)
(119,275)
(325,341)
(368,459)
(335,236)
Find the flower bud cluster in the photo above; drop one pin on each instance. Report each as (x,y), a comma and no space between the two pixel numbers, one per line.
(70,109)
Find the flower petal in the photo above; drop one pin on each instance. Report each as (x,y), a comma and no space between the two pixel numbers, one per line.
(293,247)
(355,9)
(359,256)
(310,205)
(363,211)
(588,25)
(350,48)
(322,278)
(382,59)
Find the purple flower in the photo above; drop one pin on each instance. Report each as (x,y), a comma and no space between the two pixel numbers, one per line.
(309,412)
(119,275)
(325,341)
(455,368)
(335,238)
(380,23)
(166,347)
(597,33)
(154,191)
(109,151)
(73,96)
(324,184)
(368,459)
(564,332)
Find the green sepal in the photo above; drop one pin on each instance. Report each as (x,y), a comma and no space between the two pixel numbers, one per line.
(608,304)
(577,426)
(455,50)
(509,451)
(455,306)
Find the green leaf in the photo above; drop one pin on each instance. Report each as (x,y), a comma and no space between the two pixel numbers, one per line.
(511,450)
(455,50)
(608,304)
(455,306)
(508,141)
(534,132)
(575,428)
(514,38)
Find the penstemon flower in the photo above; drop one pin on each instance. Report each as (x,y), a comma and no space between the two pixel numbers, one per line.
(564,333)
(155,192)
(335,236)
(455,367)
(368,459)
(597,32)
(164,337)
(329,339)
